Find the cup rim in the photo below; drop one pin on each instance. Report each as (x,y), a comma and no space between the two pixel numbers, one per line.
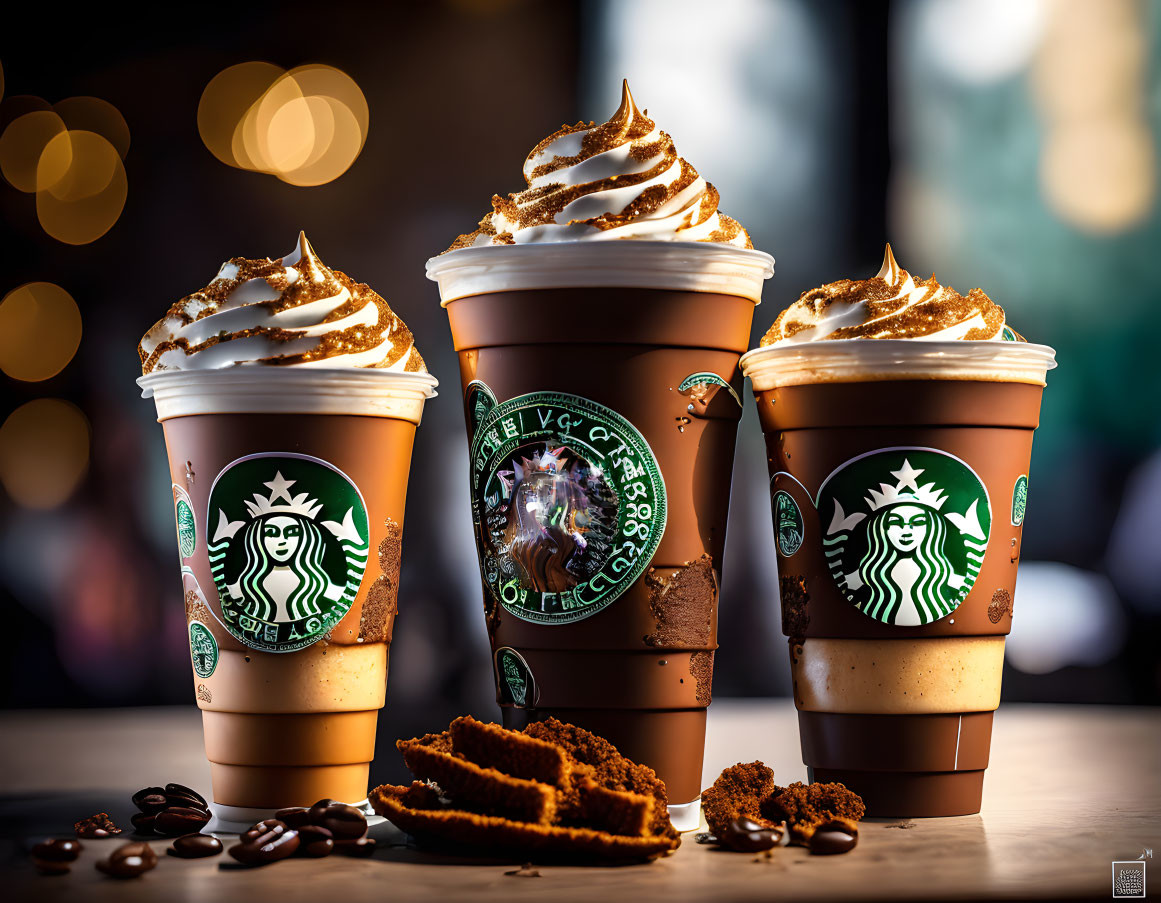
(605,263)
(863,360)
(353,377)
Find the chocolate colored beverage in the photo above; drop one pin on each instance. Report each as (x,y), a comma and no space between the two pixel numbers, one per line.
(898,417)
(289,395)
(601,387)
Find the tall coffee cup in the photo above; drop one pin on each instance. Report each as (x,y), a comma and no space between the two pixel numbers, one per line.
(898,481)
(289,485)
(601,392)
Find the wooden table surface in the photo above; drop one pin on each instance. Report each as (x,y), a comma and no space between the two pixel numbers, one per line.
(1070,789)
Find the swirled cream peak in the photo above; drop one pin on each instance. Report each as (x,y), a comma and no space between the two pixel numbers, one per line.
(621,179)
(290,311)
(892,304)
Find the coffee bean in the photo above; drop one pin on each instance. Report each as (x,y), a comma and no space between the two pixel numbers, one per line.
(360,847)
(48,867)
(345,822)
(315,841)
(140,795)
(295,816)
(128,861)
(152,803)
(275,844)
(832,838)
(704,837)
(181,801)
(182,790)
(748,836)
(195,846)
(57,850)
(142,823)
(178,820)
(269,825)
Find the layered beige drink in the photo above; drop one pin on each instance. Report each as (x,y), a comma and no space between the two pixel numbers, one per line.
(289,395)
(898,417)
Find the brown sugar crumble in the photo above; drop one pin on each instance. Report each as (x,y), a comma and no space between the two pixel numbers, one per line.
(795,611)
(553,790)
(682,601)
(748,791)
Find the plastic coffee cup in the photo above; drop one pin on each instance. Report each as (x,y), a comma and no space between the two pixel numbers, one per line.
(289,487)
(601,391)
(898,481)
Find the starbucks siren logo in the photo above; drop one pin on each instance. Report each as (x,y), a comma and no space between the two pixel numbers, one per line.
(289,548)
(568,502)
(788,524)
(187,528)
(514,679)
(909,551)
(203,649)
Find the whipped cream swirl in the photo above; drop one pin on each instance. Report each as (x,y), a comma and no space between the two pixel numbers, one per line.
(622,179)
(890,305)
(294,311)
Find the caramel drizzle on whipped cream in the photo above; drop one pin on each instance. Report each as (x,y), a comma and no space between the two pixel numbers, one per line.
(892,304)
(267,299)
(580,182)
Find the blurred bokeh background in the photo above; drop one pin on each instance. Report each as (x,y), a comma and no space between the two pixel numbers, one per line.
(1009,145)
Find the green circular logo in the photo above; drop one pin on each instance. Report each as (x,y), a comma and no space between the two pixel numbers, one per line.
(288,543)
(514,679)
(568,502)
(187,529)
(907,529)
(788,523)
(1019,500)
(203,649)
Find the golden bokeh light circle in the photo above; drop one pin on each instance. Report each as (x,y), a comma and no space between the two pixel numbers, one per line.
(306,126)
(22,143)
(76,165)
(341,151)
(70,211)
(44,452)
(225,102)
(1100,175)
(40,331)
(92,114)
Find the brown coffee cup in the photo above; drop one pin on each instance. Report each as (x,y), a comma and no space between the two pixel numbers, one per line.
(600,383)
(289,487)
(898,481)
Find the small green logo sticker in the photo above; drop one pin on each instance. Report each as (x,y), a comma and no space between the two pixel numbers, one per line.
(907,533)
(568,502)
(187,528)
(203,649)
(788,523)
(288,547)
(700,386)
(514,679)
(1019,500)
(478,401)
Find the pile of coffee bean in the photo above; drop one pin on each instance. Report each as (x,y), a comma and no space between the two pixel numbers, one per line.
(53,857)
(171,811)
(130,860)
(326,827)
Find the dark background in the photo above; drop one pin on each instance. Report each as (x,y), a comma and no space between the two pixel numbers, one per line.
(829,127)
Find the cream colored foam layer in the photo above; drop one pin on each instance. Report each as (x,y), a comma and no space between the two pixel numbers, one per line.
(691,266)
(868,360)
(257,389)
(898,677)
(321,678)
